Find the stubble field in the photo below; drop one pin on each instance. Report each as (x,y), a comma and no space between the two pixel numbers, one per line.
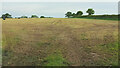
(59,42)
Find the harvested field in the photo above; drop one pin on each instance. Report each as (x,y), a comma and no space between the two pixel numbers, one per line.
(59,42)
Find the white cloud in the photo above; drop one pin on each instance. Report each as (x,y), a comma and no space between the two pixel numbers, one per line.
(59,0)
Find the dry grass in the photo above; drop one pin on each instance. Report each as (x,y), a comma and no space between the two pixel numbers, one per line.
(81,42)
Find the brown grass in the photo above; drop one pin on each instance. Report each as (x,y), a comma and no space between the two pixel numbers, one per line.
(82,42)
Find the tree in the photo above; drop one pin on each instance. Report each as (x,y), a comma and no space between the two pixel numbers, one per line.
(24,17)
(68,14)
(34,16)
(90,11)
(79,13)
(73,15)
(7,15)
(42,17)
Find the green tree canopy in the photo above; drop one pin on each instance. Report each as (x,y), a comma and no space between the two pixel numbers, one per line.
(7,15)
(90,11)
(34,16)
(42,17)
(24,17)
(79,13)
(68,14)
(74,15)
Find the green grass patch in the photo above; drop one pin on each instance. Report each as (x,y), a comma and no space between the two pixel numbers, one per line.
(101,17)
(110,46)
(83,37)
(111,51)
(55,59)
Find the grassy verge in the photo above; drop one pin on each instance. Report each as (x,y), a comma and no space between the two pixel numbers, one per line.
(103,19)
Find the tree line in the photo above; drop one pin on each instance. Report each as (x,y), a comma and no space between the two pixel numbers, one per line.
(7,15)
(33,16)
(90,11)
(68,14)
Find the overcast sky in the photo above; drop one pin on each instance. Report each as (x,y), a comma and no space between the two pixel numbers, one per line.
(57,9)
(60,0)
